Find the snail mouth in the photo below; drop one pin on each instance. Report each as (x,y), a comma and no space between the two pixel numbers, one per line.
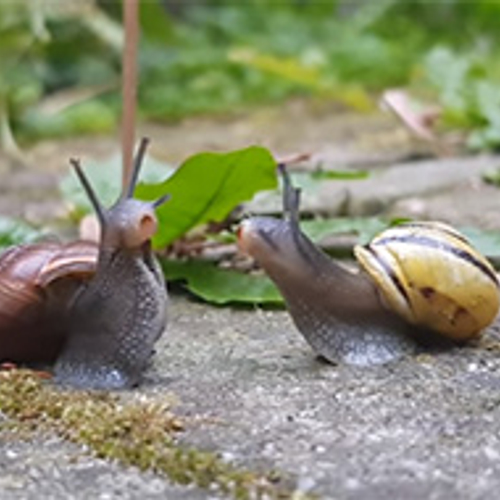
(147,226)
(139,232)
(243,236)
(239,233)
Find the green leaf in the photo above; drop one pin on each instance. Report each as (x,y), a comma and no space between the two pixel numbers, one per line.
(15,232)
(485,241)
(488,101)
(364,227)
(207,186)
(222,286)
(155,23)
(448,71)
(340,174)
(86,117)
(492,176)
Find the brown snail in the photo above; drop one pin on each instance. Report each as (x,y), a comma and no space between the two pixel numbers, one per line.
(96,310)
(417,278)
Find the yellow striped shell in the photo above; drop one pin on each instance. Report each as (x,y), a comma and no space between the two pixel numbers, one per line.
(429,274)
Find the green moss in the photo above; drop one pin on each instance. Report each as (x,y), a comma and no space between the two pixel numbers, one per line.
(141,434)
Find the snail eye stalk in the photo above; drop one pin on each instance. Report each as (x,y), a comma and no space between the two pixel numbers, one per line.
(291,198)
(160,201)
(89,190)
(138,160)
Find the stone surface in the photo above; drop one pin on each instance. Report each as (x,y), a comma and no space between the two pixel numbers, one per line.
(394,185)
(50,469)
(425,427)
(250,389)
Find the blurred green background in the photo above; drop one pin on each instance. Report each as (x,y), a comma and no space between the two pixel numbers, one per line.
(60,60)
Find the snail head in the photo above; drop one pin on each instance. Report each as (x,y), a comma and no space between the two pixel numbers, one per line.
(129,223)
(277,243)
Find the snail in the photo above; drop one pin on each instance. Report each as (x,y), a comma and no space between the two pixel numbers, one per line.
(416,280)
(94,310)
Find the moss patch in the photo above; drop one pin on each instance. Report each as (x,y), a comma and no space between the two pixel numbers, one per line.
(138,434)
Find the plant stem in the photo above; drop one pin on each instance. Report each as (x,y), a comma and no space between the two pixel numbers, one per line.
(8,143)
(129,86)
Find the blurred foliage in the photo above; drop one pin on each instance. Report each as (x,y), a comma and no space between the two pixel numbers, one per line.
(468,91)
(220,56)
(47,47)
(16,232)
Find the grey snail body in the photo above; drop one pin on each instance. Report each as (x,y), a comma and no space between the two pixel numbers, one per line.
(102,307)
(384,312)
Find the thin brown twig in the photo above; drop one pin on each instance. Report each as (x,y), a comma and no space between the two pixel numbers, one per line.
(294,158)
(129,86)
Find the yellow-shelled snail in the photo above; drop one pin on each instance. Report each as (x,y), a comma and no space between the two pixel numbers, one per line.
(431,275)
(417,279)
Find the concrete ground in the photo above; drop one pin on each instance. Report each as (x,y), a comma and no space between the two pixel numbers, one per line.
(251,389)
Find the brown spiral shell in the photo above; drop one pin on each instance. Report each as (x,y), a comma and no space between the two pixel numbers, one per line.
(37,283)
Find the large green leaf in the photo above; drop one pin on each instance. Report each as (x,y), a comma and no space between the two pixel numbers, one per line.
(222,286)
(207,186)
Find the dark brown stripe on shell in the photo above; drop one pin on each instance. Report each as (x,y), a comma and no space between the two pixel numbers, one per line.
(439,229)
(426,242)
(389,272)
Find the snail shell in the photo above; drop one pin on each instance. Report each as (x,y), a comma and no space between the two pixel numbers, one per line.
(37,283)
(430,274)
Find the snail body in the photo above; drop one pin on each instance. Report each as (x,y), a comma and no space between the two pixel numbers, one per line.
(96,310)
(415,279)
